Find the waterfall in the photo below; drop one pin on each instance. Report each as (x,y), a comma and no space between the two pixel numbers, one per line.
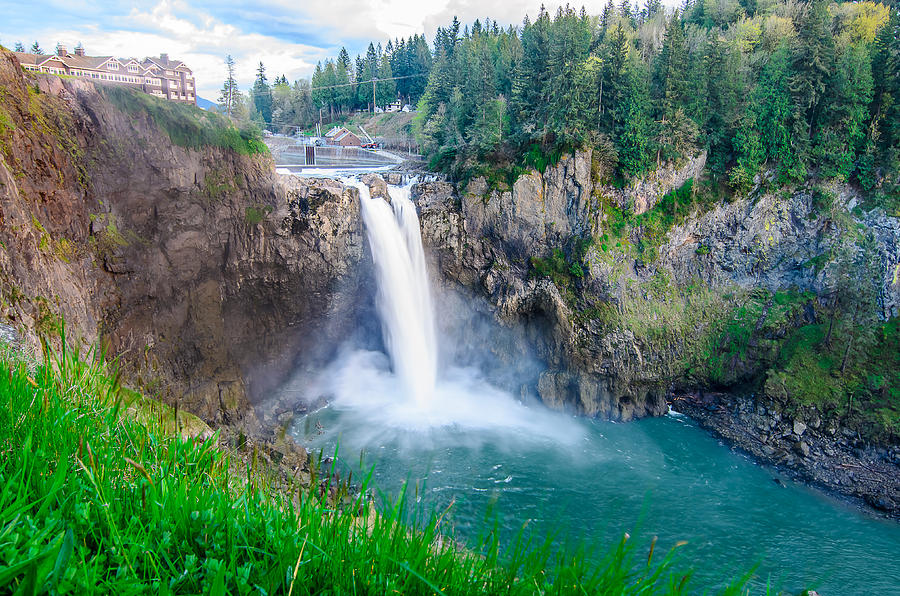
(404,294)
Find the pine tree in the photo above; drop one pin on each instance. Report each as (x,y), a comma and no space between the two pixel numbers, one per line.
(531,81)
(633,123)
(722,93)
(262,95)
(883,155)
(611,85)
(812,61)
(671,91)
(36,49)
(845,114)
(386,89)
(567,105)
(229,88)
(19,47)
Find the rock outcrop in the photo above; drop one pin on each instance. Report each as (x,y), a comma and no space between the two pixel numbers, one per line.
(485,241)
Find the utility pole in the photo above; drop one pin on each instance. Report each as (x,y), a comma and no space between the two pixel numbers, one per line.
(373,96)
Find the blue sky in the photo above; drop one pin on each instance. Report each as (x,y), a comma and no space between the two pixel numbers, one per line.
(288,36)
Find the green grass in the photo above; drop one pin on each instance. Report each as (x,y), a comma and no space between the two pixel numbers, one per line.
(186,125)
(92,501)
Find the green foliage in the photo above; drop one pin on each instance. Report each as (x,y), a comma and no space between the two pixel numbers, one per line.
(812,94)
(865,392)
(6,122)
(539,158)
(256,213)
(186,125)
(217,183)
(640,236)
(564,267)
(672,209)
(100,502)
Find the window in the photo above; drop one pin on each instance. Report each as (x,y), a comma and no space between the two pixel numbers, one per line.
(112,65)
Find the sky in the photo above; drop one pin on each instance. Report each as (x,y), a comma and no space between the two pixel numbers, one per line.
(288,36)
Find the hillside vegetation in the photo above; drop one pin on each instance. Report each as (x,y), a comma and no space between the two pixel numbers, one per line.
(186,125)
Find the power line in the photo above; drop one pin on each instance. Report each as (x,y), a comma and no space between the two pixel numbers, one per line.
(366,82)
(421,74)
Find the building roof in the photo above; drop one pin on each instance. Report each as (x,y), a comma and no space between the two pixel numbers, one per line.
(86,61)
(31,59)
(69,60)
(163,62)
(98,62)
(344,134)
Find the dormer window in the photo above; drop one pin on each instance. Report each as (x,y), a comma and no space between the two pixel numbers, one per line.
(112,65)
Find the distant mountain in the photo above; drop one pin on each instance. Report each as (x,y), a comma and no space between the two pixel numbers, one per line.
(205,103)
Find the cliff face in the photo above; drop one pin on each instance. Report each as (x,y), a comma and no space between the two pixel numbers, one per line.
(614,332)
(204,271)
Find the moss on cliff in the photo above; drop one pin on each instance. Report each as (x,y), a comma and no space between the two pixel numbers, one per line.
(186,125)
(777,344)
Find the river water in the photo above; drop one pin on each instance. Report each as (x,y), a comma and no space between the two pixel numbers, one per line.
(480,453)
(663,477)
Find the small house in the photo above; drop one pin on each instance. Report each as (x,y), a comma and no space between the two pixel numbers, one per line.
(346,139)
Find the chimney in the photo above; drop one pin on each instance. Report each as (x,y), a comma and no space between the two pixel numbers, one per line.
(60,50)
(79,50)
(164,58)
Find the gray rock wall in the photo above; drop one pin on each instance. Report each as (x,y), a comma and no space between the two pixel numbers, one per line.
(483,241)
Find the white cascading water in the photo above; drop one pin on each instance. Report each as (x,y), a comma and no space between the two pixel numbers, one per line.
(381,396)
(404,294)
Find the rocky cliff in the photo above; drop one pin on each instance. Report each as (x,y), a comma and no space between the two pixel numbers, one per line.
(616,304)
(207,274)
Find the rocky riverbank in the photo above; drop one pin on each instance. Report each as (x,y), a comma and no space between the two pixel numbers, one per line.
(821,453)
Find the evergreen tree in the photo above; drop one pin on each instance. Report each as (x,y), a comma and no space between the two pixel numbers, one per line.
(19,47)
(882,158)
(567,103)
(531,81)
(844,118)
(229,88)
(633,122)
(386,89)
(343,96)
(723,90)
(671,93)
(36,49)
(812,60)
(262,95)
(612,83)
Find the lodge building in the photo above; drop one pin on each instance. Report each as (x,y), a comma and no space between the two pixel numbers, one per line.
(162,77)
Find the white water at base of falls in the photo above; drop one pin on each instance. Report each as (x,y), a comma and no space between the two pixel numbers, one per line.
(402,395)
(404,293)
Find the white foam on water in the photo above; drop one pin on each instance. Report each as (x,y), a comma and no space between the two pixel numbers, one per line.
(405,390)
